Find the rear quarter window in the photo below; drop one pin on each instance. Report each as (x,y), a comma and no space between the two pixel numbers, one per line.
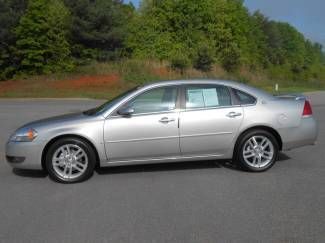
(244,98)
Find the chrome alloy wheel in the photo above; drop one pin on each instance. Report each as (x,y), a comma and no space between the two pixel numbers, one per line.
(258,151)
(70,161)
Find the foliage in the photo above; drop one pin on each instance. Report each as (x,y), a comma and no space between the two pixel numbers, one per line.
(98,28)
(162,27)
(10,13)
(105,80)
(204,58)
(41,38)
(54,35)
(234,36)
(179,62)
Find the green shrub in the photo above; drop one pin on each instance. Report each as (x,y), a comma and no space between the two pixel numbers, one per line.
(204,59)
(180,62)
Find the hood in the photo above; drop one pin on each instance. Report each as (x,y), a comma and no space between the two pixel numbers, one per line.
(57,120)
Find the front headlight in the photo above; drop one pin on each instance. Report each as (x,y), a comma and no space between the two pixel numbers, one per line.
(25,135)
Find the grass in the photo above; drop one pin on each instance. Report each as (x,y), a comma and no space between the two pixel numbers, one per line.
(105,80)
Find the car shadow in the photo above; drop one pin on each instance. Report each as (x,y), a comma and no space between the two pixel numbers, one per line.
(30,173)
(282,157)
(193,165)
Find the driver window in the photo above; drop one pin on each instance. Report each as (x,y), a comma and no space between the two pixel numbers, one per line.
(155,100)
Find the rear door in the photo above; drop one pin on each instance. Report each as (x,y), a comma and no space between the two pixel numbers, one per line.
(209,121)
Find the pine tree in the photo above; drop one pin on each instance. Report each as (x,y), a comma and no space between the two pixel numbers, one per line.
(98,27)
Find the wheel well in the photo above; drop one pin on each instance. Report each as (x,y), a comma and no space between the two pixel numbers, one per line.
(53,140)
(265,128)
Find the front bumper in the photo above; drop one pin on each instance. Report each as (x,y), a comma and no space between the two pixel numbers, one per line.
(24,155)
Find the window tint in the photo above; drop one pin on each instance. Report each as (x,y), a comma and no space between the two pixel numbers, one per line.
(244,98)
(203,96)
(156,100)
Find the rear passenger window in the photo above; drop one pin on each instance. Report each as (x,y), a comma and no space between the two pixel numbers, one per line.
(205,96)
(244,98)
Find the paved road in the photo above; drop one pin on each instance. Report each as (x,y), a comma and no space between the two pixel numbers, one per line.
(193,202)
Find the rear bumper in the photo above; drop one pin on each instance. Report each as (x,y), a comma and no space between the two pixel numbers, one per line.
(304,134)
(24,155)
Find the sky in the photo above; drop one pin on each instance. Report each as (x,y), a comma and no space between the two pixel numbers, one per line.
(308,16)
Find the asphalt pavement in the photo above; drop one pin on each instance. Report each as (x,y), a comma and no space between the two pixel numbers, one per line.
(183,202)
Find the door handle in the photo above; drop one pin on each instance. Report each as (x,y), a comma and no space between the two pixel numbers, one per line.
(233,114)
(166,120)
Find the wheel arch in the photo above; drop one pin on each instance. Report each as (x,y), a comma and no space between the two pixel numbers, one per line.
(260,127)
(53,140)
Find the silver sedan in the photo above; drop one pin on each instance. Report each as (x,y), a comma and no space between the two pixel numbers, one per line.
(167,122)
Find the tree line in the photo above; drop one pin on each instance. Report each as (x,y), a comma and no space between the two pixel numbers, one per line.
(47,36)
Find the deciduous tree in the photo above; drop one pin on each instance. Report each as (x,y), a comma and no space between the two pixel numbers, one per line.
(41,43)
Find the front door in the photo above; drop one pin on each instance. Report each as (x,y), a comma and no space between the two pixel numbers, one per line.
(209,123)
(150,132)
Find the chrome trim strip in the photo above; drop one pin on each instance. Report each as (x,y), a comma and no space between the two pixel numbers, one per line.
(169,137)
(141,139)
(173,111)
(205,134)
(210,108)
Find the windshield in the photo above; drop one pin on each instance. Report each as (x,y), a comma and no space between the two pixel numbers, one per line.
(109,104)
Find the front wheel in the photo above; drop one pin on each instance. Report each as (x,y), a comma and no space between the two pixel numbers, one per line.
(257,151)
(70,160)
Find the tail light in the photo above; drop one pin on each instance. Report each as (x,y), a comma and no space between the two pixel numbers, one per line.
(307,109)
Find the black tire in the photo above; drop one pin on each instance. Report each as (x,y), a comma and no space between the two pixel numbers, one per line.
(239,149)
(91,160)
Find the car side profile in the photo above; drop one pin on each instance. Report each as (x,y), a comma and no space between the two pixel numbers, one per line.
(164,122)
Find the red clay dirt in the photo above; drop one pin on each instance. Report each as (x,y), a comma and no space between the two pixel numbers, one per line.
(92,83)
(10,85)
(98,81)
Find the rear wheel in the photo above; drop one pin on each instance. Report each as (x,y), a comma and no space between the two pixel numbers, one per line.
(256,150)
(70,160)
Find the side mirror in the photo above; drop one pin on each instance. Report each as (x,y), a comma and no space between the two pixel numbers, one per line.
(125,111)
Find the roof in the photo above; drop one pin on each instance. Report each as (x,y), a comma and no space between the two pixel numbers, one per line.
(237,85)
